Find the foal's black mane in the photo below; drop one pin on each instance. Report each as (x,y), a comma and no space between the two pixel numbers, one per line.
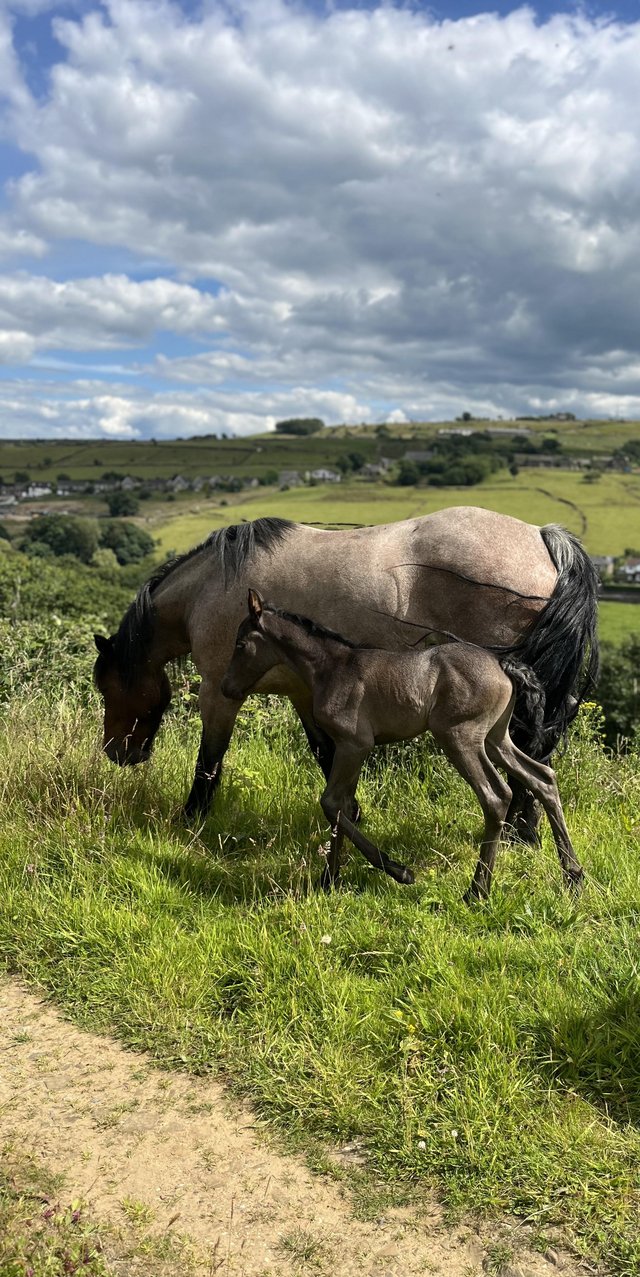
(313,627)
(230,548)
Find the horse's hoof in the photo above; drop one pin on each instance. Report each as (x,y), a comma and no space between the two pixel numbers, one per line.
(406,876)
(472,897)
(327,882)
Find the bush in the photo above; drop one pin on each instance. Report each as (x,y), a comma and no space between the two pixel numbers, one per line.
(122,504)
(408,474)
(129,543)
(619,690)
(36,591)
(64,534)
(300,426)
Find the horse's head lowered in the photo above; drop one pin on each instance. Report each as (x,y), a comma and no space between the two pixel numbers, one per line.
(133,708)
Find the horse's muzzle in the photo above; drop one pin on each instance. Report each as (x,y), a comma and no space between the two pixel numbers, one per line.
(125,754)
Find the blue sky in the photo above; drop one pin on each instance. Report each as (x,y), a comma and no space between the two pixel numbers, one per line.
(216,215)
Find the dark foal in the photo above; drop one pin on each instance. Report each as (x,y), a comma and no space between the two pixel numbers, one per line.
(365,696)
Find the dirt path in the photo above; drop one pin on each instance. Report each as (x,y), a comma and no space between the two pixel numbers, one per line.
(175,1152)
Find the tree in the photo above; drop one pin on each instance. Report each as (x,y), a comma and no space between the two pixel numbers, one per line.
(64,534)
(619,689)
(22,476)
(300,426)
(122,504)
(129,543)
(408,474)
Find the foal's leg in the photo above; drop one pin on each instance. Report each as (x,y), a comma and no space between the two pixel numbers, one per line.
(467,753)
(338,804)
(541,781)
(339,796)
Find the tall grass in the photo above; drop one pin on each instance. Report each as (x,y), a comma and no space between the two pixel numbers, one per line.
(493,1051)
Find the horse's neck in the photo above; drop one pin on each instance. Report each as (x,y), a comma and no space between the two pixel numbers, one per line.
(172,602)
(308,654)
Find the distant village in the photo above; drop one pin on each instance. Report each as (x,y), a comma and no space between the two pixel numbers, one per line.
(625,570)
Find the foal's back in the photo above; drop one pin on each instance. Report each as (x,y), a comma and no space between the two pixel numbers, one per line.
(379,697)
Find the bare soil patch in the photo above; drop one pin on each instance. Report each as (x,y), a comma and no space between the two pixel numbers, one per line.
(167,1153)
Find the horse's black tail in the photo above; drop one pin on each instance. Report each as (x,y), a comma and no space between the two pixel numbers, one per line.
(562,647)
(531,702)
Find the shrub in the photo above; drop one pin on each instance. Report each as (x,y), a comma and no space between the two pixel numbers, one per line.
(64,534)
(122,504)
(300,426)
(129,543)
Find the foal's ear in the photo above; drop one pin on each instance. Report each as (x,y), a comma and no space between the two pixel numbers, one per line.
(103,644)
(255,606)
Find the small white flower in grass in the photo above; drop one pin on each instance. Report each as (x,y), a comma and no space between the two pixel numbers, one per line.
(454,1135)
(422,1144)
(325,939)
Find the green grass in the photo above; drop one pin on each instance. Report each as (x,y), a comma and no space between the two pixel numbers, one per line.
(44,459)
(606,515)
(618,620)
(491,1051)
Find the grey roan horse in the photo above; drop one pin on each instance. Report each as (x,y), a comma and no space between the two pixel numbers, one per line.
(487,578)
(364,697)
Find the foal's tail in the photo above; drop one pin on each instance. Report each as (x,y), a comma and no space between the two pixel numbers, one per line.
(530,703)
(562,647)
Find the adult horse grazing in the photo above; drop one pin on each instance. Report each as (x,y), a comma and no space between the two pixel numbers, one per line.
(363,697)
(484,577)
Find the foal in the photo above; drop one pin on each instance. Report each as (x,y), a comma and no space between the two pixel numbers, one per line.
(365,696)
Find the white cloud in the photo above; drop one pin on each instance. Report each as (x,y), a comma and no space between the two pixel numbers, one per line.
(84,407)
(405,214)
(112,311)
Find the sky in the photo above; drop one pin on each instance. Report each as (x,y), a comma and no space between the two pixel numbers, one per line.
(217,215)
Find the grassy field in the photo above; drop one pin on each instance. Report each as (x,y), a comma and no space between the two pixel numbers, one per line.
(491,1051)
(606,515)
(618,620)
(44,459)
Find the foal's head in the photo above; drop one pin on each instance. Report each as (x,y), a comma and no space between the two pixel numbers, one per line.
(133,708)
(254,654)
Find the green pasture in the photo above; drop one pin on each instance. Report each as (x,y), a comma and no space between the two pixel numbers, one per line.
(616,621)
(606,514)
(189,457)
(254,455)
(492,1052)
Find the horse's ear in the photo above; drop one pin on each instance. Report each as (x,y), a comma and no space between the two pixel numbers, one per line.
(103,644)
(255,606)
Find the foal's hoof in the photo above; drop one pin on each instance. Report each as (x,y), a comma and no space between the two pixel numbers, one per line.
(575,883)
(406,877)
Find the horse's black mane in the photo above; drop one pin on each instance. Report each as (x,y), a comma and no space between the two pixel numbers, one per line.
(231,548)
(313,627)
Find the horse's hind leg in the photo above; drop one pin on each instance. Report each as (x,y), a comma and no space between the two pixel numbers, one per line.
(541,781)
(468,756)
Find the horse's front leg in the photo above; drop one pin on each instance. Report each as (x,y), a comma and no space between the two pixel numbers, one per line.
(218,715)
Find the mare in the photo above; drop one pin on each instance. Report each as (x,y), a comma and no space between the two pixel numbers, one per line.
(485,577)
(362,697)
